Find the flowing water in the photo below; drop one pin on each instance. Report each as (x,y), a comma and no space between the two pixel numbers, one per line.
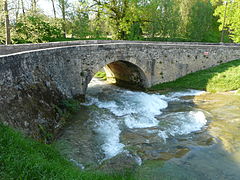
(179,135)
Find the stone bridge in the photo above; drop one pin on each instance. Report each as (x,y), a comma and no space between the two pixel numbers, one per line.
(36,77)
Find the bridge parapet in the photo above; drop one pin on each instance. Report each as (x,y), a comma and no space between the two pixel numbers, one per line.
(10,49)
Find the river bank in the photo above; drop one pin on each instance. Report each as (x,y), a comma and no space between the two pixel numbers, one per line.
(222,78)
(24,158)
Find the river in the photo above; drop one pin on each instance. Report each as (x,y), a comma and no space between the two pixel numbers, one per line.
(177,135)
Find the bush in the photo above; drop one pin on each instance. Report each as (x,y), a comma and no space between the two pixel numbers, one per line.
(36,28)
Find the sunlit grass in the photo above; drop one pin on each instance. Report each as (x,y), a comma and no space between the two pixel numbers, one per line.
(225,77)
(101,74)
(226,80)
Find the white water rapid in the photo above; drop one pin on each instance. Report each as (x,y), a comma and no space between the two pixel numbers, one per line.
(124,109)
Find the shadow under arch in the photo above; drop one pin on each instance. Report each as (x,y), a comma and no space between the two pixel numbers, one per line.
(124,74)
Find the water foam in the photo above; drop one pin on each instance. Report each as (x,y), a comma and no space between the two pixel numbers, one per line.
(189,92)
(182,123)
(141,109)
(140,122)
(138,109)
(194,122)
(110,133)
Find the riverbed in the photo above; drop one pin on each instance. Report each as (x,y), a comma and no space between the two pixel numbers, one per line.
(177,135)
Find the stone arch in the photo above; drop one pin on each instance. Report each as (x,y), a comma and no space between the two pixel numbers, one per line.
(126,65)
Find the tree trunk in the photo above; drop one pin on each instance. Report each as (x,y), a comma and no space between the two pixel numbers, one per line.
(23,8)
(224,19)
(54,9)
(7,24)
(63,10)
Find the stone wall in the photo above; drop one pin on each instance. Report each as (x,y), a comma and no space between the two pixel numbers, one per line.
(33,83)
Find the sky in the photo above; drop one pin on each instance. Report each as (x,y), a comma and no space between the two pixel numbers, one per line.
(46,6)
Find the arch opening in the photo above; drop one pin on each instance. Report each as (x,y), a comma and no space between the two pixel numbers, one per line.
(125,74)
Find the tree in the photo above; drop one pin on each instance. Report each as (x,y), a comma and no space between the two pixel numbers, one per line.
(202,25)
(7,24)
(161,18)
(54,9)
(63,5)
(23,8)
(120,14)
(80,23)
(228,12)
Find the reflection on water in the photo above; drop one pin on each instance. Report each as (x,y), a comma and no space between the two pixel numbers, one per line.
(173,136)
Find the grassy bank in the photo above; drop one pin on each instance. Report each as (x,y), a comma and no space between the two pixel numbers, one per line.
(24,158)
(225,77)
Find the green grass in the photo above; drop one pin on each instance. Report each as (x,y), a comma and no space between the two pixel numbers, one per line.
(24,158)
(225,77)
(101,74)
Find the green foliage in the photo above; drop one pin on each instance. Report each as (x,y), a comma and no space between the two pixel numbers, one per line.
(203,25)
(168,20)
(80,22)
(135,32)
(80,26)
(120,16)
(36,28)
(66,109)
(99,27)
(101,74)
(162,18)
(71,105)
(2,34)
(24,158)
(229,17)
(2,23)
(224,77)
